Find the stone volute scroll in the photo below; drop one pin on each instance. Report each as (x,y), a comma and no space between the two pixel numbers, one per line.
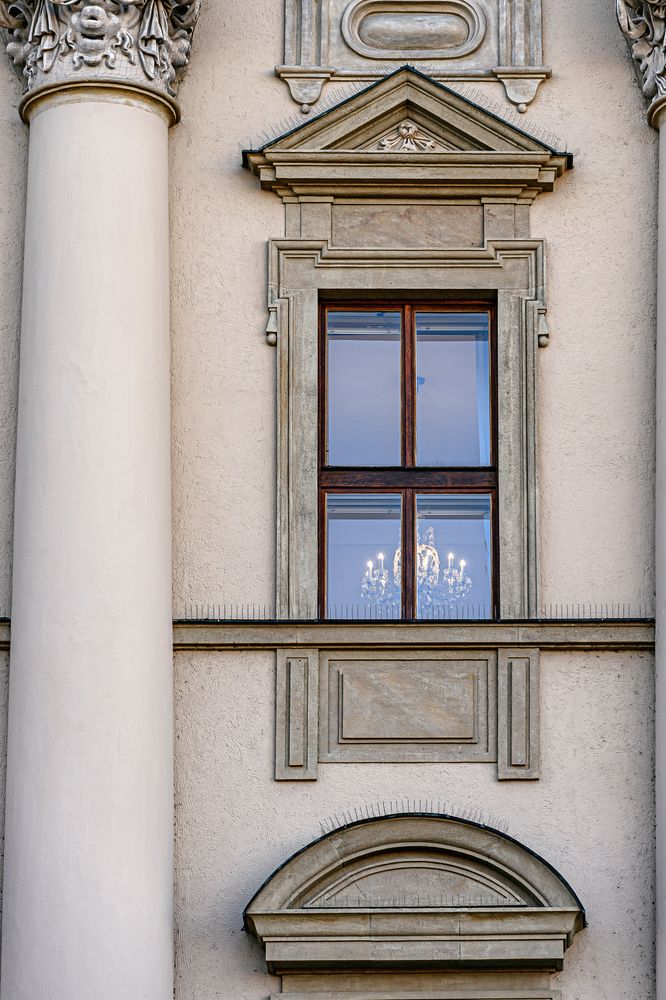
(139,45)
(410,905)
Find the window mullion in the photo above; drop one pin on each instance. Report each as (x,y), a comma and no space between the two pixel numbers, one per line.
(409,385)
(409,550)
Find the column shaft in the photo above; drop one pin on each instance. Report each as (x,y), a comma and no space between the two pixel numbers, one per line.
(660,570)
(88,866)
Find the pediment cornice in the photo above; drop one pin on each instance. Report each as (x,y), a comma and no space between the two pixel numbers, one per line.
(408,136)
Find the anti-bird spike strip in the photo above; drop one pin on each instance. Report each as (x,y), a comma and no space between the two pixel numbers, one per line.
(376,810)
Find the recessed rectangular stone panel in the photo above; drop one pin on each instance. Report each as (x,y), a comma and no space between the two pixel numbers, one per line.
(518,714)
(448,39)
(296,699)
(411,701)
(407,706)
(372,225)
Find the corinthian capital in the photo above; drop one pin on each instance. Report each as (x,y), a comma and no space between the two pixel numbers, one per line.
(644,25)
(143,43)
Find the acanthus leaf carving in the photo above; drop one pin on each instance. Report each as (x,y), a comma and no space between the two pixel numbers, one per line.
(644,25)
(145,41)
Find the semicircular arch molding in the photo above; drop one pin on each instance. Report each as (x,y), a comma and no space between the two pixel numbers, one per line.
(404,891)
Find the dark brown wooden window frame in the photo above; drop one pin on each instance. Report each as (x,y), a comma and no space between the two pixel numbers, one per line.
(408,479)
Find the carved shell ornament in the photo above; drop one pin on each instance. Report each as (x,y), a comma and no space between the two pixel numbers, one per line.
(51,37)
(644,25)
(407,138)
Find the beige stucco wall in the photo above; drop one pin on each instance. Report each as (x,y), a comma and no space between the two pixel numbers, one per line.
(596,378)
(591,813)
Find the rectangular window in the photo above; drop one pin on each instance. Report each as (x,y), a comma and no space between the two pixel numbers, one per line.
(407,476)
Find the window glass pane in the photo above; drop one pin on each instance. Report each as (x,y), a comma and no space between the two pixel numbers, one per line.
(452,389)
(453,564)
(363,566)
(364,388)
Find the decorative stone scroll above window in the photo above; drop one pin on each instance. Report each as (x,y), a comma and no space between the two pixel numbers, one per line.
(405,904)
(449,39)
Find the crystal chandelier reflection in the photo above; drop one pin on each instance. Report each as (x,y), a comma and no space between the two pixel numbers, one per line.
(436,586)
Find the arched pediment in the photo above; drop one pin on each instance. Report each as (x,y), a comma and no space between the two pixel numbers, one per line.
(405,890)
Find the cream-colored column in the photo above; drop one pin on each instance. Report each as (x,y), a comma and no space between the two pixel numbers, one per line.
(89,816)
(658,117)
(644,26)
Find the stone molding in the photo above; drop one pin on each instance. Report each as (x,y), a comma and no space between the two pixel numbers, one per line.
(411,892)
(355,148)
(587,635)
(451,217)
(140,45)
(514,270)
(356,40)
(394,706)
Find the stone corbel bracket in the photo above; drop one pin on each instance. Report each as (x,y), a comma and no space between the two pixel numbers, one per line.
(362,40)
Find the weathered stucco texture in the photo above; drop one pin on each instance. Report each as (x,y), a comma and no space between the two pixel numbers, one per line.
(13,167)
(595,379)
(223,370)
(590,815)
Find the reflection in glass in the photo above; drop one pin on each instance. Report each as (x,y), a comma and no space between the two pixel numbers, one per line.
(452,389)
(363,388)
(363,534)
(453,565)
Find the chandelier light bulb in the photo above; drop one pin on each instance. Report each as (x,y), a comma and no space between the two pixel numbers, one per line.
(438,587)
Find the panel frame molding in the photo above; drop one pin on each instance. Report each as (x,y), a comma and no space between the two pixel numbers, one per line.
(322,43)
(314,728)
(296,714)
(514,270)
(480,993)
(518,709)
(481,748)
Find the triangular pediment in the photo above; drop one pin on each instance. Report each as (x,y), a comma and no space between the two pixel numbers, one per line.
(386,131)
(407,94)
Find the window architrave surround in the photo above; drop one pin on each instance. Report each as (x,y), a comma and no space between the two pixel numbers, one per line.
(302,272)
